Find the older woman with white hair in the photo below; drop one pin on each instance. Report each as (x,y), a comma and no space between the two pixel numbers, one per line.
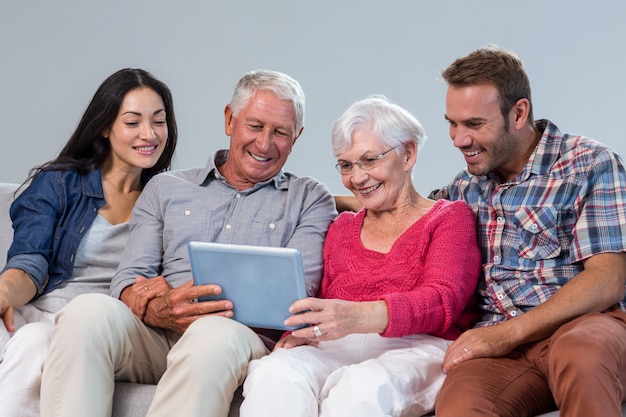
(398,284)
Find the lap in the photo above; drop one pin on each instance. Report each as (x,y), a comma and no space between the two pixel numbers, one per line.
(518,384)
(32,326)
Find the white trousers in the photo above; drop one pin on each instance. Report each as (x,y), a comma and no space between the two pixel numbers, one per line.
(22,355)
(358,375)
(98,340)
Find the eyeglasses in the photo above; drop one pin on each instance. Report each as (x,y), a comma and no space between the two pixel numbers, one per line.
(345,167)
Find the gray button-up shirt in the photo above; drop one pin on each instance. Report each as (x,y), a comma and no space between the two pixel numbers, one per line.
(198,204)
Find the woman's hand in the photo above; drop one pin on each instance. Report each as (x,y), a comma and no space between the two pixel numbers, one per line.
(334,319)
(291,341)
(6,311)
(16,289)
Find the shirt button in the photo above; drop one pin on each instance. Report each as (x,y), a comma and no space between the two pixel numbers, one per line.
(272,226)
(238,195)
(500,219)
(500,296)
(496,259)
(187,212)
(514,313)
(228,227)
(534,226)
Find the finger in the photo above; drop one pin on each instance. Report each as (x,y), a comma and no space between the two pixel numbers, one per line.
(297,319)
(8,319)
(304,304)
(458,355)
(142,306)
(305,333)
(208,307)
(280,344)
(196,292)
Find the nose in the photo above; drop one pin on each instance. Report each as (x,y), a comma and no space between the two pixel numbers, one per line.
(264,140)
(358,175)
(147,131)
(460,137)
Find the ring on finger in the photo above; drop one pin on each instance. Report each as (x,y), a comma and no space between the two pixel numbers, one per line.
(145,288)
(465,350)
(317,332)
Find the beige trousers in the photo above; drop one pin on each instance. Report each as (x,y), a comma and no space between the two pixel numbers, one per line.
(97,340)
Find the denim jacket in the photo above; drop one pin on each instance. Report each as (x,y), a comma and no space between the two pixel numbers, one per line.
(49,219)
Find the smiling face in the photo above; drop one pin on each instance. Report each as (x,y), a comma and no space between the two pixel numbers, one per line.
(479,131)
(383,186)
(261,137)
(139,133)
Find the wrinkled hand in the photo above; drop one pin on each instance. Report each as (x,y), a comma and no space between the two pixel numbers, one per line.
(291,341)
(483,342)
(333,318)
(177,309)
(138,295)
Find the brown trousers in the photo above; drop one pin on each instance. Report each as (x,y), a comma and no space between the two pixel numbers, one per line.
(580,369)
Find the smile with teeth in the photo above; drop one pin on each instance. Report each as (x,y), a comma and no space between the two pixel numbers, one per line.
(258,158)
(471,153)
(369,189)
(145,148)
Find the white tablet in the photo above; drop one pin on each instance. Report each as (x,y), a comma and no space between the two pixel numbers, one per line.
(261,281)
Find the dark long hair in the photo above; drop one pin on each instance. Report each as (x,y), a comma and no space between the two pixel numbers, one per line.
(87,149)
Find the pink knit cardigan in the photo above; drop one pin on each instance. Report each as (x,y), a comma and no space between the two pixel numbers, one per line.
(428,277)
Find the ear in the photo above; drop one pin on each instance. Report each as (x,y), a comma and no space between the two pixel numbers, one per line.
(228,120)
(410,155)
(519,113)
(296,138)
(105,133)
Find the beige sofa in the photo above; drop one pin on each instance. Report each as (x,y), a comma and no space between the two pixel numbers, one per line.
(130,400)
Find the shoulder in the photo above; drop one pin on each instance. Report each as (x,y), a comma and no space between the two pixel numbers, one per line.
(64,182)
(453,217)
(291,180)
(347,219)
(176,178)
(306,189)
(452,207)
(576,154)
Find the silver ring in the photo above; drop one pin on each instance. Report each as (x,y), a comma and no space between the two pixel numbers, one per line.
(317,331)
(465,350)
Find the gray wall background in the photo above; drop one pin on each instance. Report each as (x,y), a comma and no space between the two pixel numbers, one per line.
(54,54)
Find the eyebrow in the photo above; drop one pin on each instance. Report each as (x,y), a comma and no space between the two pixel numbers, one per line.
(363,155)
(139,114)
(261,122)
(471,119)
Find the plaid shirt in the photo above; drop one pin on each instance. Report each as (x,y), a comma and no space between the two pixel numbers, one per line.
(568,204)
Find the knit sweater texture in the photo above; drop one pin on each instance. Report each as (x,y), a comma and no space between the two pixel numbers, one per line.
(427,279)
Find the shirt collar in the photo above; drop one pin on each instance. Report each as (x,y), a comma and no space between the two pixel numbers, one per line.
(543,157)
(547,151)
(211,173)
(91,184)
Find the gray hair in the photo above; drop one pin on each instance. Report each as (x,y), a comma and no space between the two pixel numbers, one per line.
(392,124)
(282,85)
